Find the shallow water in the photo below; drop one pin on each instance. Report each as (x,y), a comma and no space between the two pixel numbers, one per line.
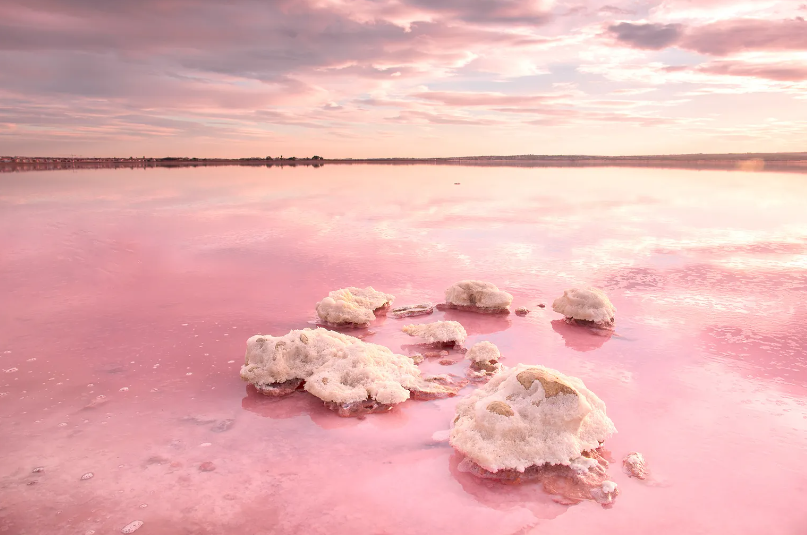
(142,287)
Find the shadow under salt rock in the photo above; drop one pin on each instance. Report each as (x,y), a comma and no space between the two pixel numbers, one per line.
(502,496)
(302,403)
(476,323)
(580,337)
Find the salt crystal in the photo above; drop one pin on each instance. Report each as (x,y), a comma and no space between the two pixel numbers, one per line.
(88,475)
(132,526)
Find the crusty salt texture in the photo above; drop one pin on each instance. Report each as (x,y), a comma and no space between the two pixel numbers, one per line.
(477,296)
(407,311)
(588,305)
(352,306)
(528,416)
(484,357)
(635,466)
(438,332)
(335,367)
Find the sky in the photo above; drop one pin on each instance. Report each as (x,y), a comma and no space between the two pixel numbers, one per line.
(401,78)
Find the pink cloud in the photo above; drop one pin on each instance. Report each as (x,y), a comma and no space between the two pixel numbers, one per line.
(783,72)
(716,39)
(462,99)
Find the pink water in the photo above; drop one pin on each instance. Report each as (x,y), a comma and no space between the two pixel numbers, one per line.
(152,280)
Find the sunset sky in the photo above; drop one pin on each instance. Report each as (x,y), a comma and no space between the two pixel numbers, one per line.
(381,78)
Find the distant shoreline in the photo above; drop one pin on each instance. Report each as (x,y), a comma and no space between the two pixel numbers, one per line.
(783,161)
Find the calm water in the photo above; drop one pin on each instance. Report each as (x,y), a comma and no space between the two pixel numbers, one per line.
(142,287)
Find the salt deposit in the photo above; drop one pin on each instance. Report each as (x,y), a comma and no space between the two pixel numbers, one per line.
(438,332)
(532,422)
(586,306)
(407,311)
(635,466)
(477,296)
(352,306)
(350,375)
(484,358)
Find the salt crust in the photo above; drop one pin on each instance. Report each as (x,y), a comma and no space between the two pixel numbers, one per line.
(586,305)
(477,294)
(527,416)
(335,367)
(352,305)
(438,332)
(484,357)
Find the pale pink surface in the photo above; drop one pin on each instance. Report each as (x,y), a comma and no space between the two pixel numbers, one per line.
(137,279)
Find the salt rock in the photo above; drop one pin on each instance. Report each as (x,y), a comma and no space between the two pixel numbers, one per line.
(352,306)
(478,296)
(484,358)
(438,332)
(132,526)
(522,311)
(553,419)
(412,310)
(339,369)
(586,306)
(635,466)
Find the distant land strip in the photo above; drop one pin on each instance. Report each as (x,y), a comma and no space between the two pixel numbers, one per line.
(778,161)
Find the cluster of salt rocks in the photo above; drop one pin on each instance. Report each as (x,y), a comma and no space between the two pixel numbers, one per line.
(349,375)
(527,422)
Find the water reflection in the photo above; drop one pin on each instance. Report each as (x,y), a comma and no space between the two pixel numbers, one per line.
(152,281)
(580,337)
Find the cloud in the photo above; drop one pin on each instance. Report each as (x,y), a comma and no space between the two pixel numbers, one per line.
(468,99)
(648,36)
(716,39)
(782,72)
(732,36)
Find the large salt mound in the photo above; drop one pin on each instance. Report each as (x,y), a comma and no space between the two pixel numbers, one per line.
(352,305)
(438,332)
(529,416)
(591,305)
(477,296)
(335,367)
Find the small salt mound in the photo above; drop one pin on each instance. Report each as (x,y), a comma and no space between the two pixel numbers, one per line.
(529,416)
(439,332)
(335,367)
(635,466)
(352,305)
(586,305)
(484,358)
(478,296)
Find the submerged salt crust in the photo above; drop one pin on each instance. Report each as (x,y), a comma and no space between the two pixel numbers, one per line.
(438,332)
(352,305)
(585,305)
(528,416)
(473,294)
(335,367)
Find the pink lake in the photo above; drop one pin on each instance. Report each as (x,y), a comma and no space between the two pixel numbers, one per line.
(142,286)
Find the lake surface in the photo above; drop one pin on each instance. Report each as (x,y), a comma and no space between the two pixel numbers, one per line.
(126,298)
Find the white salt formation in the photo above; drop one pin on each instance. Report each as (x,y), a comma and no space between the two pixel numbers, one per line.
(438,333)
(586,306)
(351,376)
(532,422)
(352,306)
(635,466)
(484,358)
(478,296)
